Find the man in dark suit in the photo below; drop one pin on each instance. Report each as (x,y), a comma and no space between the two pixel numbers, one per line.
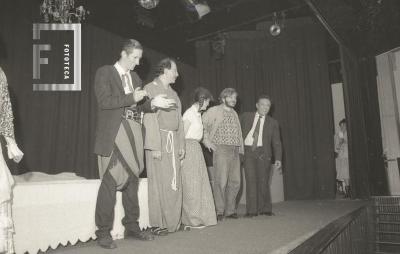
(119,141)
(262,142)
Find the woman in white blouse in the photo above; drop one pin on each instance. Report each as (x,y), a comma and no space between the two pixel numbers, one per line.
(198,202)
(6,179)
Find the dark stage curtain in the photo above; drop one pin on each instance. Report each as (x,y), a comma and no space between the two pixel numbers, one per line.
(377,172)
(367,171)
(292,68)
(55,130)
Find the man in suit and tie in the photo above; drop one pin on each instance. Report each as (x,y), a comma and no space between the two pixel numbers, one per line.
(119,142)
(262,143)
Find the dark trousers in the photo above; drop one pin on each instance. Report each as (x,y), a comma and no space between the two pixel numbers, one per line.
(257,169)
(106,199)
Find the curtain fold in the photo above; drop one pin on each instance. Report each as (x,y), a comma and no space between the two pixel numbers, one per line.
(292,68)
(367,172)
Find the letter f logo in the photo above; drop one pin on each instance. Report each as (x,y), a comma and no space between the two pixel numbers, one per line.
(37,60)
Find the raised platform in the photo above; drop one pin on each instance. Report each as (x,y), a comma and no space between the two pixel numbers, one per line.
(295,221)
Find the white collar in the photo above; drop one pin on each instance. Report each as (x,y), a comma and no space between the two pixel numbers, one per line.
(259,116)
(195,109)
(120,70)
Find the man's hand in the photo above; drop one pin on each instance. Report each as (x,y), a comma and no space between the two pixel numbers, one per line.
(210,146)
(156,155)
(139,94)
(161,101)
(181,154)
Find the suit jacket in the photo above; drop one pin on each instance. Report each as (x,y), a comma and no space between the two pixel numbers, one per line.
(271,138)
(111,100)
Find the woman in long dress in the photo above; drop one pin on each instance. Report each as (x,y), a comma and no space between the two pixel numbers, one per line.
(6,179)
(342,159)
(198,209)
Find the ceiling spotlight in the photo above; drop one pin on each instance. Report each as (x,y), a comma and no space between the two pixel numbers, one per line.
(277,25)
(200,7)
(275,28)
(148,4)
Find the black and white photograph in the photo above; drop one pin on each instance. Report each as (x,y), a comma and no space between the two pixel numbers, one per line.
(199,126)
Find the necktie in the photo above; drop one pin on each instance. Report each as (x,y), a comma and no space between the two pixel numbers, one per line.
(255,134)
(126,84)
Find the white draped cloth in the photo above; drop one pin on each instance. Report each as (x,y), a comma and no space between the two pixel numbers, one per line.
(6,223)
(49,210)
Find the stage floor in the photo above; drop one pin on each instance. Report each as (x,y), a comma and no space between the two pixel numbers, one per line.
(293,223)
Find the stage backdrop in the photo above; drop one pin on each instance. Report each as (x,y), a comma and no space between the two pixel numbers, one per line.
(292,68)
(55,130)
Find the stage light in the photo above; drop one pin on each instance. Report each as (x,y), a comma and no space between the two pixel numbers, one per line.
(277,26)
(148,4)
(199,6)
(275,29)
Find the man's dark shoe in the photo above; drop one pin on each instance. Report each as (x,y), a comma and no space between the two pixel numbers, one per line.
(268,213)
(143,235)
(220,217)
(106,242)
(232,216)
(250,215)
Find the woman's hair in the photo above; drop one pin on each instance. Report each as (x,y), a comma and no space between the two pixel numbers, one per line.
(226,93)
(165,63)
(342,121)
(200,95)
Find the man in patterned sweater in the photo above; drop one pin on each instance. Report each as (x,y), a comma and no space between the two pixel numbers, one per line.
(223,135)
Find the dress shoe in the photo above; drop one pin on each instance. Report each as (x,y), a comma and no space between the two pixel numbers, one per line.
(142,235)
(159,231)
(184,227)
(106,242)
(250,215)
(220,217)
(232,216)
(268,213)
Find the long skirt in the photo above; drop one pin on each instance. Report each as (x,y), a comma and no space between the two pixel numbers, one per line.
(6,223)
(342,169)
(198,202)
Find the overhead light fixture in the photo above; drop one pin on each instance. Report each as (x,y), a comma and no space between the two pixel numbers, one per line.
(199,6)
(275,29)
(62,11)
(277,25)
(218,44)
(148,4)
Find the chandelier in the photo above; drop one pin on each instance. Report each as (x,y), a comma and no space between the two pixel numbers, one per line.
(148,4)
(62,11)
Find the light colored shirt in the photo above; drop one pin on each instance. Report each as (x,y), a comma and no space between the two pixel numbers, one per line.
(6,114)
(249,138)
(125,77)
(193,123)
